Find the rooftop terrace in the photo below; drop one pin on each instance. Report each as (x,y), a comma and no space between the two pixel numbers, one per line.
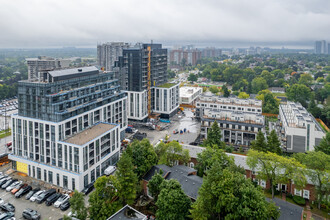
(89,134)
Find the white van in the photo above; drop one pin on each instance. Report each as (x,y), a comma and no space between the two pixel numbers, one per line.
(109,170)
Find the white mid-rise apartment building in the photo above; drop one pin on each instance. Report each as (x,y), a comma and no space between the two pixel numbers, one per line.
(299,129)
(69,126)
(188,95)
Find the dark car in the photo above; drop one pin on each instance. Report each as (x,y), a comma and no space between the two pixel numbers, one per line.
(31,214)
(53,198)
(89,188)
(7,216)
(31,193)
(43,196)
(23,191)
(65,206)
(8,183)
(7,207)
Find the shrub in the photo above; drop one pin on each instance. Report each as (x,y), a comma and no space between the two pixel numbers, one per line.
(299,200)
(289,195)
(229,149)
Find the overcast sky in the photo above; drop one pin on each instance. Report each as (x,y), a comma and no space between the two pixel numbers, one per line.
(52,23)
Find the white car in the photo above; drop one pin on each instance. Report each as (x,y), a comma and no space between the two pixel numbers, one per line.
(13,185)
(35,196)
(1,201)
(61,200)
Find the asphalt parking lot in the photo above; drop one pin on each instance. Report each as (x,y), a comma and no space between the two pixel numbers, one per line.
(47,212)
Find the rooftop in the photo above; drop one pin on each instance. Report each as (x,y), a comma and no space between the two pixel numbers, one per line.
(73,71)
(89,134)
(167,85)
(189,91)
(128,213)
(190,183)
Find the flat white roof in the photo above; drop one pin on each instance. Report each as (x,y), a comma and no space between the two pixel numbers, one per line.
(189,91)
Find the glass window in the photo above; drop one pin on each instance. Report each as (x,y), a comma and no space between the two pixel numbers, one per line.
(38,173)
(73,184)
(65,181)
(50,176)
(85,180)
(58,179)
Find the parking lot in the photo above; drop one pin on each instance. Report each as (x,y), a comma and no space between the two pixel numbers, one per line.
(178,122)
(47,212)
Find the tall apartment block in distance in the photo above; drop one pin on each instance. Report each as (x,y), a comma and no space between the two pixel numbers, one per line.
(299,131)
(142,71)
(43,63)
(182,56)
(108,53)
(69,126)
(321,47)
(239,119)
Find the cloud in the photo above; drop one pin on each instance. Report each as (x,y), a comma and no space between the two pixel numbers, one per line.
(40,23)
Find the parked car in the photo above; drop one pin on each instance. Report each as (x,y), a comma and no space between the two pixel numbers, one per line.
(4,180)
(30,214)
(8,207)
(7,216)
(23,191)
(18,187)
(1,201)
(35,196)
(65,205)
(63,198)
(89,188)
(8,183)
(13,185)
(43,196)
(31,193)
(53,198)
(109,170)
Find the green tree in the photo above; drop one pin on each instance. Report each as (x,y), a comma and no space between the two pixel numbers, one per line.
(171,153)
(276,169)
(192,77)
(229,195)
(209,156)
(214,89)
(103,201)
(77,204)
(143,156)
(259,84)
(154,185)
(324,145)
(269,77)
(259,143)
(127,179)
(243,95)
(225,91)
(273,143)
(305,79)
(214,137)
(318,169)
(299,93)
(172,202)
(270,103)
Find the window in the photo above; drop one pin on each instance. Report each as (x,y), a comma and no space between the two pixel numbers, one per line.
(38,173)
(58,179)
(50,176)
(45,175)
(65,181)
(306,194)
(73,184)
(263,183)
(297,192)
(85,180)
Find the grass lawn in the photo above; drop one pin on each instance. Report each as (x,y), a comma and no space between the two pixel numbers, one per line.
(280,94)
(321,212)
(5,133)
(167,85)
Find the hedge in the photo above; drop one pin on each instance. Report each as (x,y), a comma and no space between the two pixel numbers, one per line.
(299,200)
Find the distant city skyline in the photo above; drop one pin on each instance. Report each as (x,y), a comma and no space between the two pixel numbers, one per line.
(56,23)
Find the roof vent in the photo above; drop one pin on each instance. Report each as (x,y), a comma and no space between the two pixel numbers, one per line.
(186,180)
(79,70)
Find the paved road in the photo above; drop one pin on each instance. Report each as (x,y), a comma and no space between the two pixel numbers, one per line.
(288,210)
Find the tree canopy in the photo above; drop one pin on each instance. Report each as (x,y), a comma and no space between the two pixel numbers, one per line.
(270,103)
(259,84)
(192,77)
(172,202)
(324,145)
(318,169)
(171,153)
(299,93)
(154,185)
(143,156)
(229,195)
(276,169)
(77,204)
